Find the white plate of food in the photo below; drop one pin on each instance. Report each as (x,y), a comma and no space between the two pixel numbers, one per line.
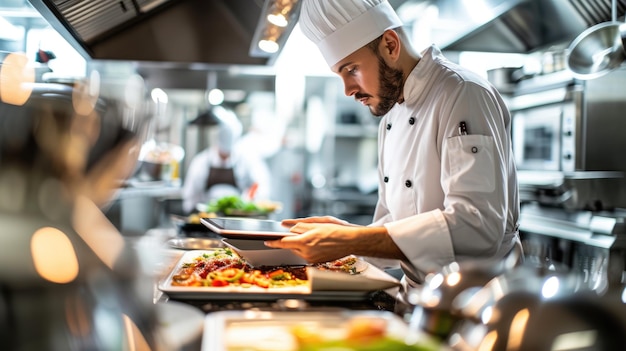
(223,274)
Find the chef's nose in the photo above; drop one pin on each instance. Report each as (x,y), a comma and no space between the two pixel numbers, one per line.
(350,87)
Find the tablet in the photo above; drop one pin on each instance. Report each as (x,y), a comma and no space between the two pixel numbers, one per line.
(247,228)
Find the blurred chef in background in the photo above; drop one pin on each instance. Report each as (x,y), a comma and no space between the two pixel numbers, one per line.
(226,168)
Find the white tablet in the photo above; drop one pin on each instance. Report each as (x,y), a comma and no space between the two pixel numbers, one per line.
(247,228)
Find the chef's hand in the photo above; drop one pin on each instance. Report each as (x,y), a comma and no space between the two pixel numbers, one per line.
(320,240)
(318,219)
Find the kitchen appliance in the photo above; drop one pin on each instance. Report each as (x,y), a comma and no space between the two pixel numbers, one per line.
(570,155)
(599,49)
(567,140)
(590,244)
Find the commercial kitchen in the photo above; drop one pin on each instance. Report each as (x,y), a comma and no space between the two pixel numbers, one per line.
(106,273)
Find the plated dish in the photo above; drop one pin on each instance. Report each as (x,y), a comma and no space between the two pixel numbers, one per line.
(288,331)
(223,274)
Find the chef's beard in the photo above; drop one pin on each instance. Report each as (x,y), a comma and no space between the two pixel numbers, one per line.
(391,85)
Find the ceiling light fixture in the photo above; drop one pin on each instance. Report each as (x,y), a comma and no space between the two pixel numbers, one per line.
(276,22)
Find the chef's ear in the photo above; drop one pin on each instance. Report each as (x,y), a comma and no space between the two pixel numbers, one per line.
(390,45)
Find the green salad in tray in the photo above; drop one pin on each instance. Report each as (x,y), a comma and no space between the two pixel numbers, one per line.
(236,206)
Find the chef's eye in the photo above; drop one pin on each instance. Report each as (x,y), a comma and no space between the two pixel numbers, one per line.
(351,70)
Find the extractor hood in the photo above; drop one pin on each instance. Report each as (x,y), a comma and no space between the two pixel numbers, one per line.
(514,26)
(213,32)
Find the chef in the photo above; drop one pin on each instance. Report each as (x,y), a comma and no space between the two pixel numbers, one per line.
(447,179)
(225,169)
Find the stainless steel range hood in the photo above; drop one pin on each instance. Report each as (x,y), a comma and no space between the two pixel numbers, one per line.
(213,32)
(515,26)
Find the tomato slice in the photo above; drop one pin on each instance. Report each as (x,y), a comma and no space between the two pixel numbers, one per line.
(219,282)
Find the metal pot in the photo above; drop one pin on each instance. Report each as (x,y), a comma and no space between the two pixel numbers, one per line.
(150,171)
(157,161)
(505,78)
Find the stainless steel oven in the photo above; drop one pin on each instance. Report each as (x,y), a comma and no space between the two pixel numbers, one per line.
(547,124)
(539,137)
(568,139)
(564,124)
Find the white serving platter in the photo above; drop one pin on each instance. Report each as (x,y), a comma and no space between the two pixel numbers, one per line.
(323,285)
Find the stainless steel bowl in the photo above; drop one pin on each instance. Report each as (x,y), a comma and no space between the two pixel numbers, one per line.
(597,50)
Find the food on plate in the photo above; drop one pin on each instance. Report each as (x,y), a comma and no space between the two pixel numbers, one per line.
(224,267)
(332,332)
(357,334)
(348,264)
(235,206)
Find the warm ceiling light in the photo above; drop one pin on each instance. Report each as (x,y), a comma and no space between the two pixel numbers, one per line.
(275,23)
(278,19)
(268,45)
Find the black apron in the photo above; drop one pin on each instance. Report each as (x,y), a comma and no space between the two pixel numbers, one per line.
(220,175)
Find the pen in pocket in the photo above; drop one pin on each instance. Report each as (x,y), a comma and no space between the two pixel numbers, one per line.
(462,128)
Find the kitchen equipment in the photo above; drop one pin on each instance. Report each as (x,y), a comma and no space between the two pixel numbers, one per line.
(191,226)
(589,243)
(159,161)
(505,78)
(597,51)
(433,301)
(535,309)
(566,142)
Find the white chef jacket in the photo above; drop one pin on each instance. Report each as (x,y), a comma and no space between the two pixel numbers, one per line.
(248,169)
(446,197)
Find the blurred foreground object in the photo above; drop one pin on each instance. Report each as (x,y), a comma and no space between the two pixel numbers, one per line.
(67,279)
(531,308)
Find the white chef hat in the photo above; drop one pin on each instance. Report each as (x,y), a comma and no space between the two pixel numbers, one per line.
(229,128)
(340,27)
